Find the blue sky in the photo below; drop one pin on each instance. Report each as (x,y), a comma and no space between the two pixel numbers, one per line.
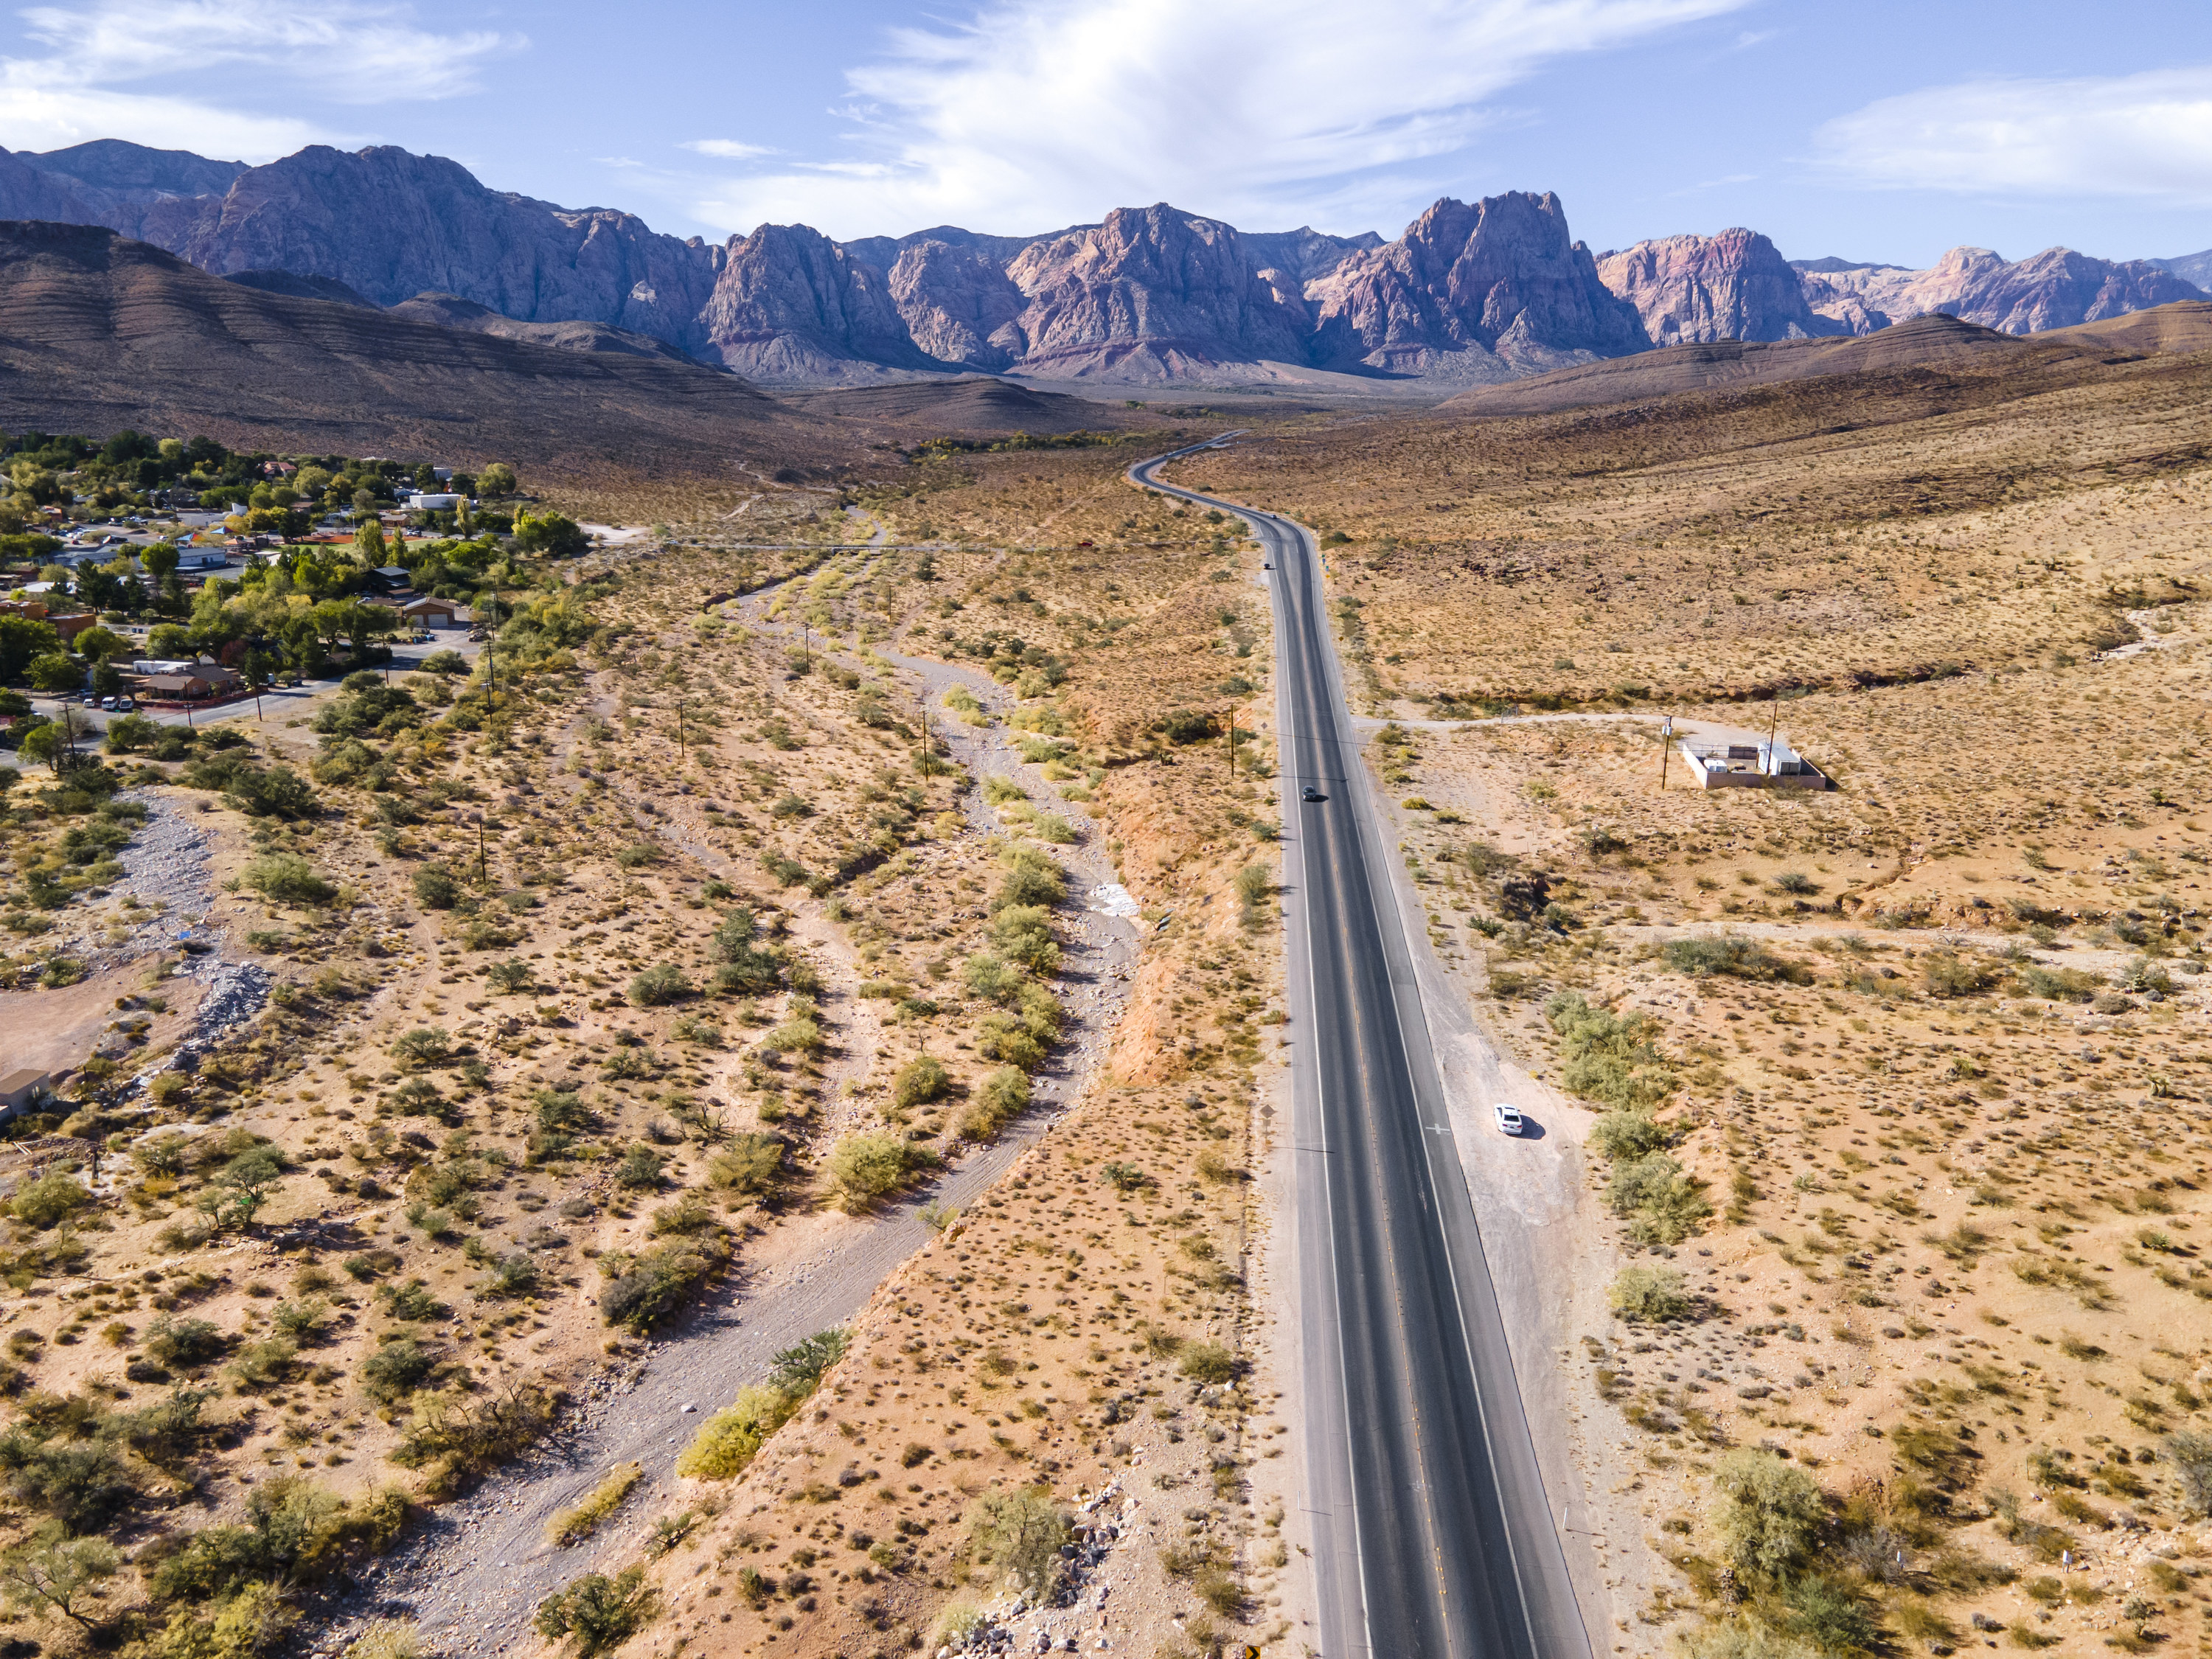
(1883,130)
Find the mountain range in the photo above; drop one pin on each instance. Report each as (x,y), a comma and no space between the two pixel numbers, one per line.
(1470,295)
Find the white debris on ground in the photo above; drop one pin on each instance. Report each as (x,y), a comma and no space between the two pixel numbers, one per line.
(1111,899)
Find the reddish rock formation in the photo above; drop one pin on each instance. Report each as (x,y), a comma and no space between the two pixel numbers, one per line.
(1691,289)
(1474,293)
(2056,288)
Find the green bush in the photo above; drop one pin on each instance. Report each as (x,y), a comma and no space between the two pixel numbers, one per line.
(1001,1097)
(395,1370)
(748,1164)
(727,1442)
(663,983)
(1730,955)
(1024,932)
(2060,984)
(287,879)
(1629,1135)
(277,792)
(642,1291)
(1208,1362)
(1649,1295)
(865,1169)
(640,1166)
(1018,1533)
(920,1080)
(512,1274)
(50,1199)
(799,1369)
(1768,1514)
(435,888)
(1666,1206)
(599,1613)
(1031,877)
(2190,1453)
(1608,1058)
(183,1344)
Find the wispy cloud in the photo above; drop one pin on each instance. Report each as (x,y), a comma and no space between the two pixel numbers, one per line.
(728,150)
(2143,135)
(133,68)
(1041,111)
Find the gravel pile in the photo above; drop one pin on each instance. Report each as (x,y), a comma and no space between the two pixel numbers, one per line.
(167,860)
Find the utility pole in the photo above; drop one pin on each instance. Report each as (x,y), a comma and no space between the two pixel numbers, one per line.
(480,847)
(1666,743)
(1232,743)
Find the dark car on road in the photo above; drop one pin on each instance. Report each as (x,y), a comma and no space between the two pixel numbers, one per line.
(1311,793)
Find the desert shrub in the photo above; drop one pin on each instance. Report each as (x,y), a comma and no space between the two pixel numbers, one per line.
(395,1370)
(82,1485)
(512,1274)
(1947,973)
(688,1215)
(274,792)
(450,1437)
(1735,957)
(664,982)
(1608,1058)
(742,966)
(748,1164)
(727,1442)
(49,1199)
(1031,877)
(600,1614)
(2190,1453)
(1831,1616)
(642,1291)
(920,1080)
(1255,882)
(1740,1640)
(866,1168)
(799,1369)
(1629,1135)
(988,976)
(183,1344)
(1649,1295)
(1023,934)
(426,1045)
(573,1526)
(1002,1097)
(2059,984)
(385,1638)
(435,888)
(641,1167)
(1208,1362)
(287,879)
(1768,1513)
(1018,1533)
(1664,1206)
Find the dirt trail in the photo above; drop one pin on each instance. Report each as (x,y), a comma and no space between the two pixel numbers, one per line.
(473,1575)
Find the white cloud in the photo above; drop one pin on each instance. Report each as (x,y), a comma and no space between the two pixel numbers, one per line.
(2147,135)
(139,69)
(728,150)
(1040,113)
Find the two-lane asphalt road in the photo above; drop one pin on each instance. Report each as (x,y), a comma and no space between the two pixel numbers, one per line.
(1433,1536)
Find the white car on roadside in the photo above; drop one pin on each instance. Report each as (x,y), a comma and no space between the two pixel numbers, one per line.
(1508,1118)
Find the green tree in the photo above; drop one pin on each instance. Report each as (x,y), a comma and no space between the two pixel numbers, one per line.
(497,479)
(63,1575)
(57,675)
(368,543)
(160,561)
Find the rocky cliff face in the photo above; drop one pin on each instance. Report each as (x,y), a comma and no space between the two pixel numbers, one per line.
(134,172)
(1150,293)
(1472,294)
(791,305)
(959,304)
(1694,289)
(2056,288)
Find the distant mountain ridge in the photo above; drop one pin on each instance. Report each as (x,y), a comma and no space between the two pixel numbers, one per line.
(1471,293)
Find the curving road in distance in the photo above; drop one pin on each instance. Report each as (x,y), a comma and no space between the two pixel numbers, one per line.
(1433,1539)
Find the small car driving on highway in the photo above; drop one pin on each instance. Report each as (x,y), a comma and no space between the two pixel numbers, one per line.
(1311,793)
(1507,1116)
